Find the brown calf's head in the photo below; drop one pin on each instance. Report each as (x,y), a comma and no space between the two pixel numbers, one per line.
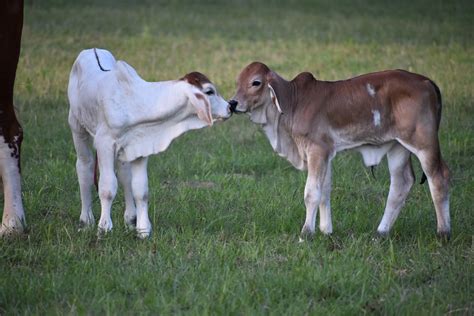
(254,89)
(219,107)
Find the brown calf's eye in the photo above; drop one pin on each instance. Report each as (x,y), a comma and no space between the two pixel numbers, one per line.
(256,83)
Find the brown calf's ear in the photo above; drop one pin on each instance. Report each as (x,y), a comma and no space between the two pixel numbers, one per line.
(202,106)
(274,98)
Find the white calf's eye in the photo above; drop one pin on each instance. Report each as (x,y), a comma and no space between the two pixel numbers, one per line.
(210,92)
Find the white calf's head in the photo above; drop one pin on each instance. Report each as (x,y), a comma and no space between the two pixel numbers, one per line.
(220,108)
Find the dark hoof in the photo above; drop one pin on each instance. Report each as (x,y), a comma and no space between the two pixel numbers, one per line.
(306,235)
(380,236)
(82,226)
(131,223)
(444,236)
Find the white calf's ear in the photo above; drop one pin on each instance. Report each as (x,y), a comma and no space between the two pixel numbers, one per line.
(274,98)
(202,106)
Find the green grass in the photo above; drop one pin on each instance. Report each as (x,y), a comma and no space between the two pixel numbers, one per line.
(226,210)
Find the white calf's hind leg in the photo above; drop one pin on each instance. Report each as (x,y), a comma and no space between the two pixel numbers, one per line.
(325,221)
(125,177)
(85,174)
(140,194)
(13,220)
(401,181)
(107,185)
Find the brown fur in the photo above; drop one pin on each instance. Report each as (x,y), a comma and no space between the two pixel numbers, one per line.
(11,24)
(323,114)
(196,79)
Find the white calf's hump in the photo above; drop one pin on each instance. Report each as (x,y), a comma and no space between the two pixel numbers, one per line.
(84,80)
(87,59)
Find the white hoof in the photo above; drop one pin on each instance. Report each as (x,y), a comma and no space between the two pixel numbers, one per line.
(105,226)
(143,234)
(11,227)
(86,221)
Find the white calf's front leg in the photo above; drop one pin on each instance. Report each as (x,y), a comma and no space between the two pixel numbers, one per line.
(317,167)
(85,175)
(140,194)
(13,220)
(125,177)
(325,221)
(107,186)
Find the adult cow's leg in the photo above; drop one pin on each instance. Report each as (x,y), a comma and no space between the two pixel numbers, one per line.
(317,167)
(125,177)
(11,24)
(85,173)
(13,220)
(401,181)
(107,183)
(140,194)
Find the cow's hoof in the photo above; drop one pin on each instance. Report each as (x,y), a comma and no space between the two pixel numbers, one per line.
(143,234)
(7,232)
(306,235)
(444,236)
(12,227)
(131,223)
(380,235)
(104,228)
(326,230)
(83,225)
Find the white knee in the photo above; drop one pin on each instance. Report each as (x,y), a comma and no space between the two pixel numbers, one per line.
(107,187)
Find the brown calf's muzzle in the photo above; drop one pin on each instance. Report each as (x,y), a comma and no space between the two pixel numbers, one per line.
(233,106)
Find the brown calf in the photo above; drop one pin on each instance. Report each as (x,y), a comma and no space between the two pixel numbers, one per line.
(394,113)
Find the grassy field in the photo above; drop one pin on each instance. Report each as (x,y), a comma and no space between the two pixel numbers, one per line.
(226,210)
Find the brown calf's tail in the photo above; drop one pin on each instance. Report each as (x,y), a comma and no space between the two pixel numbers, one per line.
(438,121)
(439,103)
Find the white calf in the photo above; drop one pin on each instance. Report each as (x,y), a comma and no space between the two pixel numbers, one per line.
(128,119)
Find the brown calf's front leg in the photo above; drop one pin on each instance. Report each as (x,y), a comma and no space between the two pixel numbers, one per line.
(318,160)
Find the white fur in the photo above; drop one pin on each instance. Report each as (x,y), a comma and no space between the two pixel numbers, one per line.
(370,90)
(372,155)
(376,117)
(13,220)
(274,97)
(269,118)
(128,118)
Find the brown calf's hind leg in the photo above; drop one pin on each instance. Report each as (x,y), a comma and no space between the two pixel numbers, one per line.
(437,173)
(401,181)
(325,221)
